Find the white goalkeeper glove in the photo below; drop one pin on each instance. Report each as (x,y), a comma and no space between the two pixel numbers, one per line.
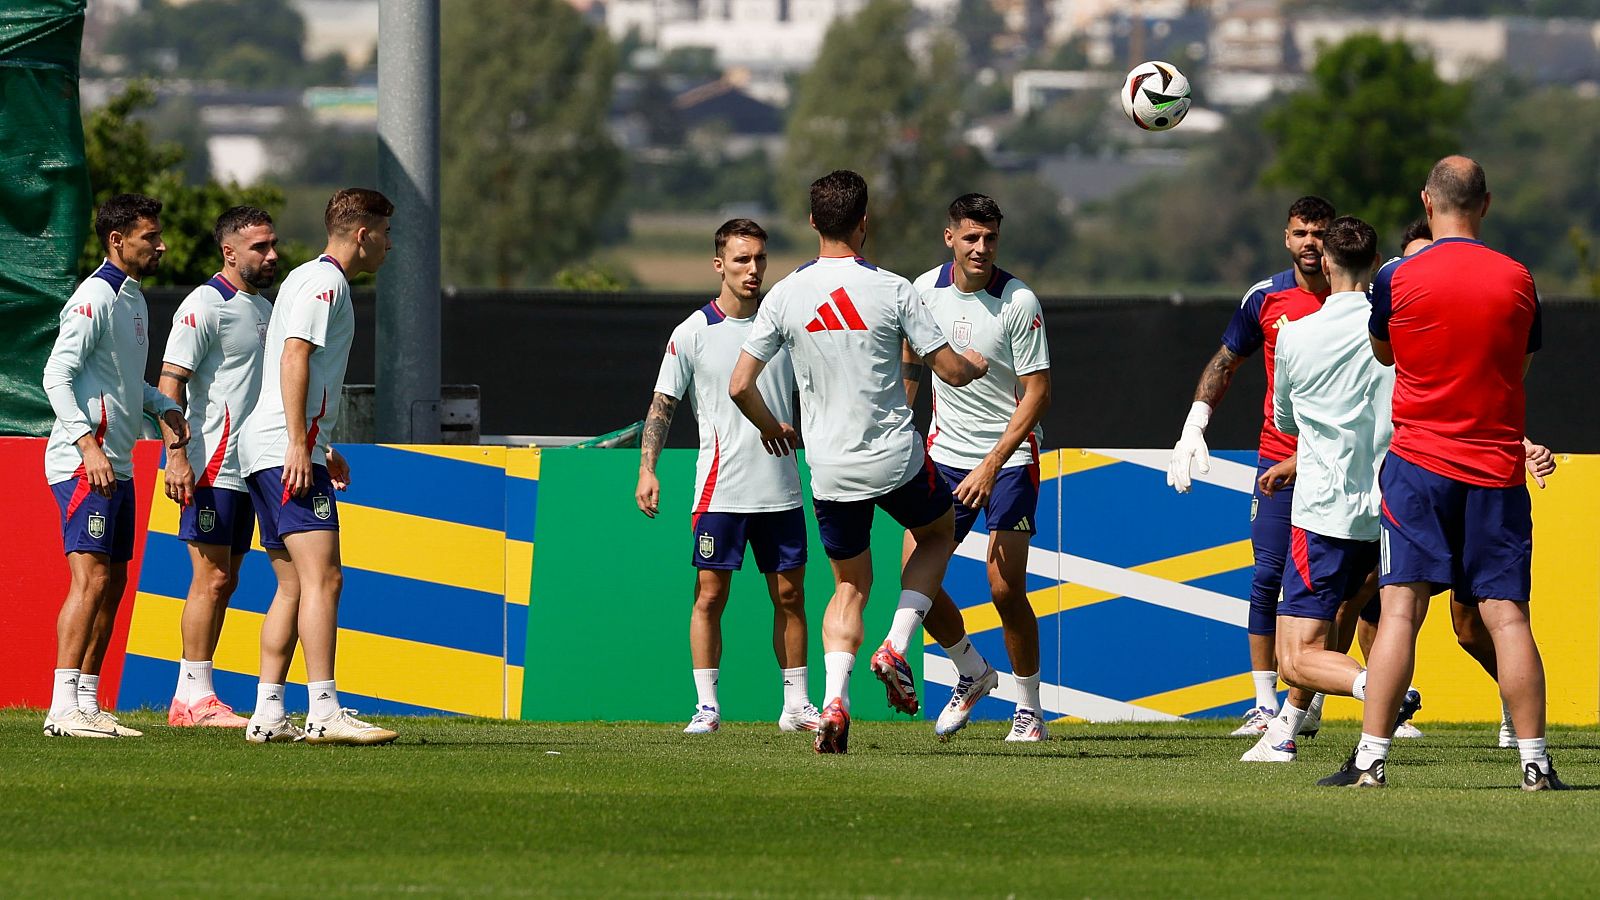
(1190,449)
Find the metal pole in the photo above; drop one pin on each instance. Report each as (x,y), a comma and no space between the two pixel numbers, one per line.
(408,173)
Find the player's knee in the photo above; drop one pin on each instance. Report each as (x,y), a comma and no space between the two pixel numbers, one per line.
(789,596)
(710,599)
(1009,600)
(217,583)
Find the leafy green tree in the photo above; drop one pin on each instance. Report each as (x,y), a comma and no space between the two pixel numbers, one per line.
(528,167)
(123,159)
(243,42)
(867,105)
(1367,130)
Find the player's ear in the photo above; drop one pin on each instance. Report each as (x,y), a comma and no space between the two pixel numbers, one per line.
(949,238)
(1486,198)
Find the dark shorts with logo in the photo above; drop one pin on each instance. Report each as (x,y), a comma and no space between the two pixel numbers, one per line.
(846,525)
(1013,504)
(778,540)
(91,523)
(218,516)
(281,514)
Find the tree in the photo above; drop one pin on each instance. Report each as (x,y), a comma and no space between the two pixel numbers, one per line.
(528,167)
(1367,130)
(867,105)
(243,42)
(123,159)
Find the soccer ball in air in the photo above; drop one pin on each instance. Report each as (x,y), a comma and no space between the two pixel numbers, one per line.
(1155,95)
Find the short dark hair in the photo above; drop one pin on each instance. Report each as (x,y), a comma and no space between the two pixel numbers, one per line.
(353,207)
(838,203)
(1418,230)
(1351,244)
(1457,184)
(737,228)
(1311,209)
(975,208)
(122,212)
(236,219)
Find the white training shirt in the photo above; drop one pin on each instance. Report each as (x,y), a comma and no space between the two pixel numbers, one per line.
(94,377)
(842,320)
(313,305)
(733,472)
(1002,321)
(219,333)
(1331,391)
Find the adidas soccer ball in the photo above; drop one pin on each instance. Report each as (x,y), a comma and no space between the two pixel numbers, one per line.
(1155,95)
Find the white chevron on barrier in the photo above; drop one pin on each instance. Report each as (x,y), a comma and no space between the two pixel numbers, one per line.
(1057,700)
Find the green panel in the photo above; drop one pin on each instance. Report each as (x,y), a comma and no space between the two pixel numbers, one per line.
(612,591)
(44,195)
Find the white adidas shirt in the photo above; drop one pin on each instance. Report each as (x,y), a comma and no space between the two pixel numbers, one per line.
(733,471)
(94,377)
(1004,322)
(313,305)
(1331,391)
(219,333)
(842,320)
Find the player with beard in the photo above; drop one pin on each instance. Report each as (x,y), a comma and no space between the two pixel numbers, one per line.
(1286,296)
(213,367)
(94,379)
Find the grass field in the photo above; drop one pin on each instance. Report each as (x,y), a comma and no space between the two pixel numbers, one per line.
(472,807)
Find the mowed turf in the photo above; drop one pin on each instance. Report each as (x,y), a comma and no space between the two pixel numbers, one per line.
(472,807)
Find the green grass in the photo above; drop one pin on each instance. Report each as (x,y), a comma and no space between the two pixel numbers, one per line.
(471,807)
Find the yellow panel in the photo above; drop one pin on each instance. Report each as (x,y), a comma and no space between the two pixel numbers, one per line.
(486,454)
(1203,696)
(522,462)
(1075,461)
(394,669)
(1566,582)
(513,692)
(424,549)
(163,512)
(519,571)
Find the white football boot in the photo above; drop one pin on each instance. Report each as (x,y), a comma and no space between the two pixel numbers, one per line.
(706,720)
(1027,727)
(1255,722)
(344,728)
(74,723)
(1265,750)
(283,731)
(107,720)
(967,693)
(806,718)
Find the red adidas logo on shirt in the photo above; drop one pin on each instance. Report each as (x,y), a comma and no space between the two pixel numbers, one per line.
(1038,322)
(189,321)
(326,296)
(839,315)
(85,310)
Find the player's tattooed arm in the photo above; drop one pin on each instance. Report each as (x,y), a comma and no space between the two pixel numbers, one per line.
(656,424)
(1217,375)
(912,371)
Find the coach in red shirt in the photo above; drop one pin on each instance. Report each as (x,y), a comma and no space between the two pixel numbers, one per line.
(1459,322)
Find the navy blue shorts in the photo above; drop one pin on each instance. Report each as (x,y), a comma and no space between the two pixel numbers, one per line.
(1269,540)
(91,523)
(218,516)
(1323,573)
(1012,503)
(1475,540)
(846,525)
(778,540)
(281,514)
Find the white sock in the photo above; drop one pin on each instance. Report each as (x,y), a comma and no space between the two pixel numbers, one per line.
(1266,689)
(269,703)
(795,694)
(1371,748)
(1286,724)
(913,606)
(1532,750)
(839,664)
(1359,689)
(1028,692)
(324,699)
(64,692)
(194,679)
(969,662)
(705,688)
(1315,709)
(89,693)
